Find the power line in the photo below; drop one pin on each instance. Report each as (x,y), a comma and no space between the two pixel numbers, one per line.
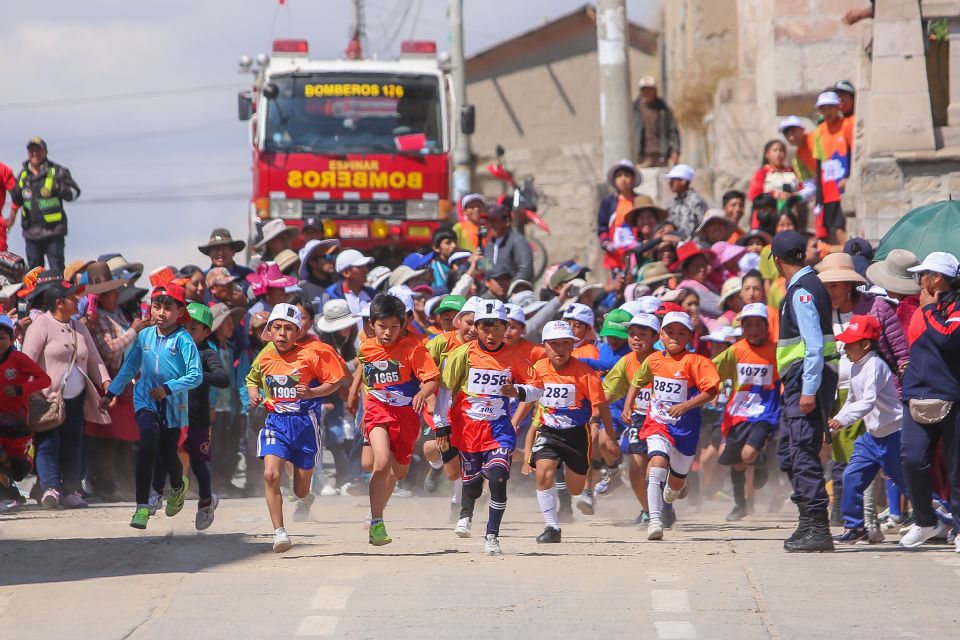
(138,95)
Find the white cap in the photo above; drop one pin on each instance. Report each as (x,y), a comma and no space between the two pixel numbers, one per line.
(284,311)
(470,197)
(351,258)
(647,320)
(490,310)
(365,310)
(828,99)
(377,276)
(429,305)
(677,317)
(557,330)
(632,307)
(681,172)
(458,255)
(647,81)
(515,313)
(470,306)
(649,304)
(790,121)
(403,292)
(939,262)
(722,334)
(755,310)
(579,312)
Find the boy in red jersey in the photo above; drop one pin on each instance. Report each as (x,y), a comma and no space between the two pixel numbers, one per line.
(479,379)
(572,394)
(398,378)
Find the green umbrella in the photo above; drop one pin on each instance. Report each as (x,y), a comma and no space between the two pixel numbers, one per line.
(932,227)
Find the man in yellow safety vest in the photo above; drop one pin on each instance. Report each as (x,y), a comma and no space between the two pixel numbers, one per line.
(40,191)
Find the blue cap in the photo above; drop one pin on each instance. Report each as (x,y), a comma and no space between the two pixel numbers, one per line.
(6,322)
(790,246)
(418,261)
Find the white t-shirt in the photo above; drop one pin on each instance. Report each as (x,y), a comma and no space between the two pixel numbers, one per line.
(75,383)
(840,322)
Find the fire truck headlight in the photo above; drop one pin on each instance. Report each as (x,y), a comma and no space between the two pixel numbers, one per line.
(421,209)
(379,229)
(329,229)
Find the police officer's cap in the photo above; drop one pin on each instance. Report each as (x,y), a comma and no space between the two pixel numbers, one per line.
(790,246)
(37,141)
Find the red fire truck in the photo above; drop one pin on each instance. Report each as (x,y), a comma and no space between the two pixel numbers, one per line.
(363,146)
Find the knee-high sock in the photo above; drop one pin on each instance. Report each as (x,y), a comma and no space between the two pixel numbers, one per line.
(548,505)
(497,479)
(657,476)
(471,491)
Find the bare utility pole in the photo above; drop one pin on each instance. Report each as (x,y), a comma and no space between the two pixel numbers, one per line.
(461,150)
(357,33)
(615,121)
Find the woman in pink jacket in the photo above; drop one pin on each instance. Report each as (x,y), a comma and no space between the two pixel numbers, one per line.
(64,349)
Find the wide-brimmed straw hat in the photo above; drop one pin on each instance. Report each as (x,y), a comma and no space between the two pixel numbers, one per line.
(336,316)
(838,267)
(891,273)
(99,279)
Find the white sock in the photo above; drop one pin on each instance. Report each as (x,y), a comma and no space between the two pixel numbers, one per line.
(655,479)
(455,488)
(438,464)
(548,506)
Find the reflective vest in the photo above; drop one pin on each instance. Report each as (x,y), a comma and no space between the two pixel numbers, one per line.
(791,347)
(49,206)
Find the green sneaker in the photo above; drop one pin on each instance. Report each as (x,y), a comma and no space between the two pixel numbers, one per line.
(175,499)
(140,517)
(378,535)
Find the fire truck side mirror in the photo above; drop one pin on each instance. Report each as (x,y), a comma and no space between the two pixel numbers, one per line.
(271,90)
(244,105)
(468,119)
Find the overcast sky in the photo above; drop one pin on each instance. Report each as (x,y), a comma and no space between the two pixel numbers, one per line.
(139,100)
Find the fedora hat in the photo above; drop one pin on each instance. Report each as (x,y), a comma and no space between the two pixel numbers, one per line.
(336,317)
(99,278)
(76,267)
(717,215)
(118,263)
(221,237)
(838,267)
(654,273)
(288,261)
(221,312)
(274,229)
(891,273)
(643,202)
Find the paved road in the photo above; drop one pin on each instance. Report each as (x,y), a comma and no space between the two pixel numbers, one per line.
(88,575)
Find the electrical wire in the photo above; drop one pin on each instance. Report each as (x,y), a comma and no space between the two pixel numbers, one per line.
(134,95)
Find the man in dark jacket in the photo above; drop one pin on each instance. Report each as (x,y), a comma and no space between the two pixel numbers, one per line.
(657,132)
(41,189)
(505,247)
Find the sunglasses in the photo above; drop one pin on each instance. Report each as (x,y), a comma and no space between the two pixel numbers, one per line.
(918,275)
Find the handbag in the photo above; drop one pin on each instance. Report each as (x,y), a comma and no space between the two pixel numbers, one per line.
(929,411)
(49,413)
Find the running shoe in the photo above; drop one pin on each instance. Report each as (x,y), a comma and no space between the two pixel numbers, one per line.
(851,536)
(669,516)
(378,535)
(549,536)
(175,498)
(155,502)
(352,489)
(672,495)
(140,517)
(655,530)
(603,485)
(205,514)
(367,519)
(302,512)
(50,499)
(8,505)
(585,503)
(463,528)
(874,536)
(917,535)
(737,514)
(491,546)
(74,501)
(432,480)
(642,519)
(956,544)
(328,491)
(400,492)
(281,541)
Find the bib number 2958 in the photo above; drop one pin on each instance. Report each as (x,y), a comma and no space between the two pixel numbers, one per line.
(487,382)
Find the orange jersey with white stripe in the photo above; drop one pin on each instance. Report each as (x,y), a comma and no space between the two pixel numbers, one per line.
(392,374)
(570,396)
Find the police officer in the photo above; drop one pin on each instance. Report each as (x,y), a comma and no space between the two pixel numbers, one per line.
(806,358)
(41,189)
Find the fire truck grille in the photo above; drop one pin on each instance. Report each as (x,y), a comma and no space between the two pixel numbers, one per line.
(353,208)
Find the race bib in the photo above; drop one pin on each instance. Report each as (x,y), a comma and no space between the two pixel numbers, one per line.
(623,237)
(383,373)
(754,374)
(282,388)
(669,390)
(560,396)
(642,403)
(832,170)
(486,382)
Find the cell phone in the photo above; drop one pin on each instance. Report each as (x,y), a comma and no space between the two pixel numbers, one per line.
(22,311)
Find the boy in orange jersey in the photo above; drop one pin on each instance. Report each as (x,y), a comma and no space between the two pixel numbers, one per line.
(398,378)
(292,377)
(479,379)
(682,383)
(572,394)
(753,412)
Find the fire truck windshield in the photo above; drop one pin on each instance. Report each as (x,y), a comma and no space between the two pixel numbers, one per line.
(354,113)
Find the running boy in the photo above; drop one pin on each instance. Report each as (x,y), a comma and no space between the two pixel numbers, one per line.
(753,412)
(643,331)
(873,398)
(290,376)
(473,414)
(398,378)
(19,377)
(572,394)
(672,426)
(168,363)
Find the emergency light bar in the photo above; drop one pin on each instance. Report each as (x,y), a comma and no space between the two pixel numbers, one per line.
(291,47)
(418,47)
